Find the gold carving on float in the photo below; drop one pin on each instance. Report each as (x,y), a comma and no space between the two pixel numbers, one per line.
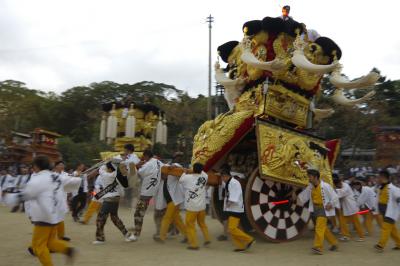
(287,105)
(214,134)
(285,155)
(250,100)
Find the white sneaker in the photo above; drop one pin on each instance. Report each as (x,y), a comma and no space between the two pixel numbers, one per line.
(130,237)
(361,239)
(344,238)
(97,242)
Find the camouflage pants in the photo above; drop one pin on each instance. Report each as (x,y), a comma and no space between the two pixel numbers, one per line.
(108,208)
(141,208)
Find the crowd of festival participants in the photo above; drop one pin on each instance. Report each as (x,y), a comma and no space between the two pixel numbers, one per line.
(46,193)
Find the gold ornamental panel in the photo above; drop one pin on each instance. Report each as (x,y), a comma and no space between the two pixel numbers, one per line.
(285,155)
(287,105)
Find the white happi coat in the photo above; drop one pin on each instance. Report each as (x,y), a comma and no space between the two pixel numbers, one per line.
(150,175)
(84,183)
(233,201)
(174,188)
(328,196)
(347,201)
(194,186)
(45,193)
(393,206)
(106,178)
(367,197)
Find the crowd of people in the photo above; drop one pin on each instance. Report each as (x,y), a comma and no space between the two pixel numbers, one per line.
(46,192)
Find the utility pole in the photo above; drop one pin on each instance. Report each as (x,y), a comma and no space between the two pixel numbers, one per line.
(209,20)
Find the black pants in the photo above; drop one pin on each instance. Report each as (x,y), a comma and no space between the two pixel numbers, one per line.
(108,208)
(78,203)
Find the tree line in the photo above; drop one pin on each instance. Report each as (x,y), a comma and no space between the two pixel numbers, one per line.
(76,114)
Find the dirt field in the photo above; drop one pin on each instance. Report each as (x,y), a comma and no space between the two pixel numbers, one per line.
(16,233)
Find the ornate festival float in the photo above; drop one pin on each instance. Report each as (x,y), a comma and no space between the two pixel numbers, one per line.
(272,80)
(140,124)
(19,148)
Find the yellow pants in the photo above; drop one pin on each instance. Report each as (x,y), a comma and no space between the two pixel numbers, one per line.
(94,207)
(344,227)
(239,238)
(322,232)
(191,218)
(171,216)
(45,238)
(389,230)
(60,230)
(368,222)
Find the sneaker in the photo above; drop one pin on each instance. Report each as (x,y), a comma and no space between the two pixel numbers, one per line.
(335,230)
(207,243)
(83,222)
(98,242)
(344,238)
(333,248)
(222,238)
(184,241)
(250,244)
(66,238)
(193,248)
(130,237)
(239,250)
(361,239)
(316,251)
(378,248)
(396,248)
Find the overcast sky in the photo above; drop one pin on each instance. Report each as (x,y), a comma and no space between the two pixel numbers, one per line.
(54,45)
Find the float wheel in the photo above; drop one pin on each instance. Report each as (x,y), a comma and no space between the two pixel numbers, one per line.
(271,212)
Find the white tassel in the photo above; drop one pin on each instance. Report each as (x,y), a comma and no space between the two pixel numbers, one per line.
(233,87)
(159,131)
(274,65)
(340,81)
(103,128)
(320,114)
(112,124)
(301,61)
(165,132)
(339,98)
(130,123)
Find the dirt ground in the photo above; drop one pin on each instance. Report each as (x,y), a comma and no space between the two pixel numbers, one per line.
(16,234)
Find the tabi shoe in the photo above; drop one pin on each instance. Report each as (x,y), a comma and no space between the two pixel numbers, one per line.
(334,248)
(30,250)
(378,248)
(158,239)
(98,242)
(129,237)
(71,255)
(344,238)
(316,251)
(207,243)
(222,238)
(193,248)
(250,244)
